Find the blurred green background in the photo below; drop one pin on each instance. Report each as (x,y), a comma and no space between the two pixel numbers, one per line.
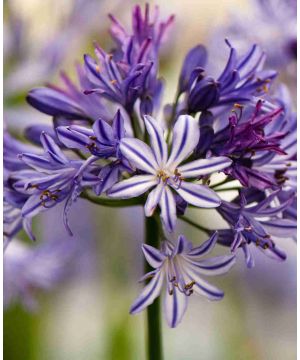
(86,316)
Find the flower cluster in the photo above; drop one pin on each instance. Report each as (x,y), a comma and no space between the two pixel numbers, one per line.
(107,145)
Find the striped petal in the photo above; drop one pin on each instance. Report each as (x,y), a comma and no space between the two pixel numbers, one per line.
(175,306)
(153,199)
(118,126)
(167,205)
(157,139)
(153,256)
(204,288)
(213,266)
(280,227)
(204,166)
(103,132)
(248,257)
(204,248)
(50,145)
(139,154)
(198,195)
(132,187)
(149,294)
(183,246)
(185,138)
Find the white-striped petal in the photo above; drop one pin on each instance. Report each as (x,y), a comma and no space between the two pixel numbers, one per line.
(204,166)
(139,154)
(175,306)
(157,139)
(198,195)
(132,187)
(185,138)
(204,248)
(149,294)
(280,227)
(167,205)
(212,266)
(153,256)
(153,199)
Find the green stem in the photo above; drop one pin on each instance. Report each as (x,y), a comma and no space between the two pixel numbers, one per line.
(196,225)
(111,202)
(137,131)
(154,336)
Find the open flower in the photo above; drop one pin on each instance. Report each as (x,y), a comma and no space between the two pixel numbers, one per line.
(164,173)
(256,224)
(181,268)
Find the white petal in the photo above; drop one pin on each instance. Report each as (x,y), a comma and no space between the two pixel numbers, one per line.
(198,195)
(139,154)
(132,187)
(153,199)
(204,166)
(168,209)
(185,138)
(157,139)
(149,293)
(153,256)
(175,306)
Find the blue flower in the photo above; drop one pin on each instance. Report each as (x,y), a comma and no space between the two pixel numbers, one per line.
(180,269)
(164,172)
(53,178)
(256,224)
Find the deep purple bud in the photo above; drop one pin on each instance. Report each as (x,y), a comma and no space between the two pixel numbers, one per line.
(204,95)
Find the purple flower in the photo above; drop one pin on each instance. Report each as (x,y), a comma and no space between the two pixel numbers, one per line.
(52,178)
(162,171)
(241,78)
(180,268)
(69,102)
(256,224)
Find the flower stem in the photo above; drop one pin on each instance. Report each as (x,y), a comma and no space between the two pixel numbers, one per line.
(153,337)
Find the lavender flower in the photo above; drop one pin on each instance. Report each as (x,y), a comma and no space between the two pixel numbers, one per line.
(52,179)
(256,224)
(180,268)
(164,173)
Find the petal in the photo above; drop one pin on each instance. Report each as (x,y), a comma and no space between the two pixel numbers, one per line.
(108,176)
(198,195)
(139,154)
(183,246)
(175,306)
(73,138)
(149,294)
(153,256)
(280,227)
(204,248)
(204,288)
(132,187)
(153,199)
(213,266)
(185,138)
(168,209)
(157,139)
(248,256)
(195,58)
(37,162)
(32,206)
(118,126)
(204,166)
(103,132)
(50,145)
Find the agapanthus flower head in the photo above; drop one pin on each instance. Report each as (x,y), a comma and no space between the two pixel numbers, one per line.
(256,224)
(180,269)
(163,172)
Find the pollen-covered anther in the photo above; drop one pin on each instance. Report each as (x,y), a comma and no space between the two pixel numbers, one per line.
(189,285)
(162,175)
(248,228)
(113,82)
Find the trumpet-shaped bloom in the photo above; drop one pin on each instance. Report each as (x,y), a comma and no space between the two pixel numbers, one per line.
(163,172)
(180,269)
